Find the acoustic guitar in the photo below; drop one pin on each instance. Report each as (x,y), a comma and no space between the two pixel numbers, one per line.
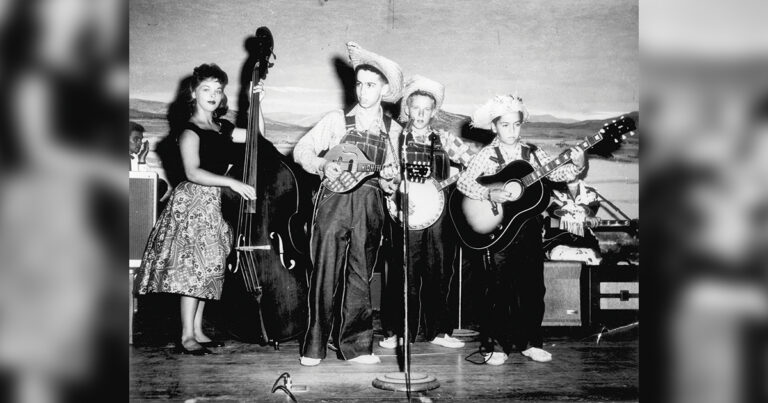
(483,224)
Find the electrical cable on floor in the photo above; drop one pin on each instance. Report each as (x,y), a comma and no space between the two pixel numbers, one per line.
(285,387)
(481,352)
(604,331)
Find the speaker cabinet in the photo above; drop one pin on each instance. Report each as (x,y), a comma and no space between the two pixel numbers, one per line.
(564,299)
(142,207)
(615,293)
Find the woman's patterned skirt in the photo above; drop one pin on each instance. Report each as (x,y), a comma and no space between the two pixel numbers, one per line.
(187,249)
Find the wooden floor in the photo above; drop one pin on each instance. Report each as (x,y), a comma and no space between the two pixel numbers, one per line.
(580,371)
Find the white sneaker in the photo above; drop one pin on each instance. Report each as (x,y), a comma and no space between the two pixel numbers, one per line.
(537,354)
(448,341)
(389,343)
(366,359)
(495,358)
(309,362)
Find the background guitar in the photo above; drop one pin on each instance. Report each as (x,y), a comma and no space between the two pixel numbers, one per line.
(557,235)
(482,224)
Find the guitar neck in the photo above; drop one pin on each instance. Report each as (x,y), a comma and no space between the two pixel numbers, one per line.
(555,223)
(561,159)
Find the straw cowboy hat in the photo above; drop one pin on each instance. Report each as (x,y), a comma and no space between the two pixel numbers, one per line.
(390,69)
(420,83)
(498,106)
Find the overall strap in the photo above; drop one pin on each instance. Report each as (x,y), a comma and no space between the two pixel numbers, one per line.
(499,158)
(525,153)
(349,122)
(387,123)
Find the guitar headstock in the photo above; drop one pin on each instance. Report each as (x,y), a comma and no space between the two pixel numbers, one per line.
(418,171)
(619,129)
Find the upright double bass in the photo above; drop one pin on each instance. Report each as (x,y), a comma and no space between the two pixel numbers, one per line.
(267,304)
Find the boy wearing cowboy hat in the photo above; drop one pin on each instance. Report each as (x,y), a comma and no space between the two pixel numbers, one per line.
(515,296)
(347,227)
(432,249)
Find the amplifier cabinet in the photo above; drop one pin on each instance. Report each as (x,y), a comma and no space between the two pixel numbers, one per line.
(564,301)
(142,205)
(615,298)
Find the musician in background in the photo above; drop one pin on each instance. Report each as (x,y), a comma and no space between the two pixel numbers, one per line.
(138,147)
(432,250)
(347,227)
(187,249)
(514,298)
(573,209)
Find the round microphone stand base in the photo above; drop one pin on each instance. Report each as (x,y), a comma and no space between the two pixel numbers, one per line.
(395,381)
(465,334)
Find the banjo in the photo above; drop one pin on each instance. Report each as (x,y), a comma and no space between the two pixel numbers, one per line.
(426,201)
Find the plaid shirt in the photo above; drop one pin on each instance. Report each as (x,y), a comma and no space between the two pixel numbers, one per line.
(454,146)
(482,164)
(329,131)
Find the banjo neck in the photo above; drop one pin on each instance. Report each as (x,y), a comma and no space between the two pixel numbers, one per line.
(448,182)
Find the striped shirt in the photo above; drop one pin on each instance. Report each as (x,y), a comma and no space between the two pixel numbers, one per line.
(484,163)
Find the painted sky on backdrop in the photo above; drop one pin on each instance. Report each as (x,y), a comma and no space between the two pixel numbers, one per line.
(576,59)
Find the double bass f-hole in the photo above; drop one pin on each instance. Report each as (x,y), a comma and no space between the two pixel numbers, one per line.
(281,250)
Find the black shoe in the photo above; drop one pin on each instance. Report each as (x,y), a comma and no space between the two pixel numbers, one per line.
(211,344)
(201,351)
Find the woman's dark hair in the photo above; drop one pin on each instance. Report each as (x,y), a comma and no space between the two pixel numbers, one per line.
(368,67)
(206,72)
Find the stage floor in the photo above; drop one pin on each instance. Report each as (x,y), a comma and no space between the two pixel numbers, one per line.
(580,371)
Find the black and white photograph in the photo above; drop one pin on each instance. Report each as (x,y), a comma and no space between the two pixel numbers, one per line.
(279,151)
(383,200)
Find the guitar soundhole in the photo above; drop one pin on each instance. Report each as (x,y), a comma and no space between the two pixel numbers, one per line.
(514,188)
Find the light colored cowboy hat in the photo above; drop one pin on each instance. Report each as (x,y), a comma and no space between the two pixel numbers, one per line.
(498,106)
(390,69)
(421,83)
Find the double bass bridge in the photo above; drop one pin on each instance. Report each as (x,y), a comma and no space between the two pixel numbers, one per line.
(252,248)
(280,250)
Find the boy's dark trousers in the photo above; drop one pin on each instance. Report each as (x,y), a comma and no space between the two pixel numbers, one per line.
(513,297)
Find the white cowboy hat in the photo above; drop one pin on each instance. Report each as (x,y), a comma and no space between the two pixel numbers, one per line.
(498,106)
(421,83)
(390,69)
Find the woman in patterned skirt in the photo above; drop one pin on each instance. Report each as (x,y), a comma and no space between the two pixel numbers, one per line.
(187,249)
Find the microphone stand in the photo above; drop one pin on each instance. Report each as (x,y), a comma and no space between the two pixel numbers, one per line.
(405,381)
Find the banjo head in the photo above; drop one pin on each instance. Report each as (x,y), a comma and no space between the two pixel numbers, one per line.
(426,204)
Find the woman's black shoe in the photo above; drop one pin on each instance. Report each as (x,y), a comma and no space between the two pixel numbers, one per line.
(212,343)
(201,351)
